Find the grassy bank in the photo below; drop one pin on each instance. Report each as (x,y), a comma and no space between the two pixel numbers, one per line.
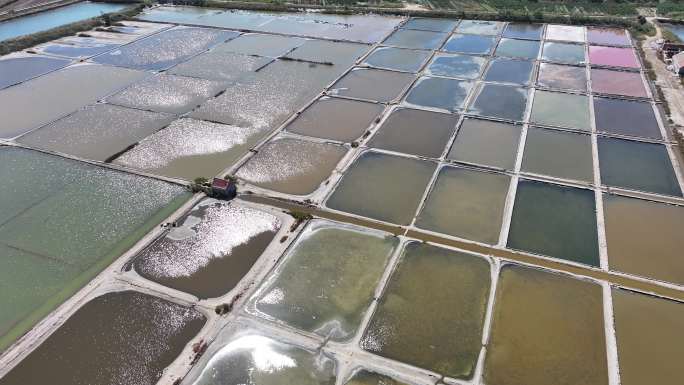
(23,42)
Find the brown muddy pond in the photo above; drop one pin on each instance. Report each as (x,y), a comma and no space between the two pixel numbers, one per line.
(335,118)
(466,203)
(432,312)
(486,142)
(382,180)
(644,237)
(649,338)
(210,250)
(292,166)
(537,317)
(118,338)
(416,132)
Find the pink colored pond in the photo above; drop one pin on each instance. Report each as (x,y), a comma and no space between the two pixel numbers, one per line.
(608,36)
(618,83)
(614,57)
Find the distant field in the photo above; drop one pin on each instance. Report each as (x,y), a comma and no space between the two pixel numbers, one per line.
(555,7)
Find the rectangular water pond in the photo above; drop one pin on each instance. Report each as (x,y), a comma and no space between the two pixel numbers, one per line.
(537,317)
(17,68)
(456,66)
(189,148)
(613,57)
(558,153)
(555,220)
(637,165)
(255,44)
(335,118)
(565,33)
(53,18)
(521,49)
(327,280)
(382,179)
(608,36)
(467,204)
(398,59)
(215,65)
(561,109)
(509,71)
(644,237)
(524,31)
(292,166)
(626,117)
(428,24)
(562,77)
(470,44)
(268,97)
(243,355)
(408,38)
(323,51)
(432,311)
(373,84)
(649,339)
(52,96)
(168,93)
(618,83)
(57,234)
(98,131)
(500,101)
(165,49)
(123,337)
(210,250)
(416,132)
(486,142)
(563,53)
(480,27)
(441,93)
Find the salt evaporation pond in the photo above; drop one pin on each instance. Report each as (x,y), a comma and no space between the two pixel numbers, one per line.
(521,49)
(381,178)
(500,101)
(467,204)
(633,246)
(408,38)
(415,132)
(623,83)
(55,18)
(509,71)
(561,110)
(537,316)
(440,93)
(373,84)
(210,249)
(121,337)
(487,143)
(428,24)
(242,355)
(457,66)
(555,220)
(56,95)
(626,117)
(168,93)
(292,166)
(649,340)
(342,265)
(190,148)
(524,31)
(98,131)
(399,59)
(432,312)
(563,77)
(559,154)
(61,232)
(344,120)
(20,67)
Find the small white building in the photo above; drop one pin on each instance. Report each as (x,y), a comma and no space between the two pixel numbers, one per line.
(678,63)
